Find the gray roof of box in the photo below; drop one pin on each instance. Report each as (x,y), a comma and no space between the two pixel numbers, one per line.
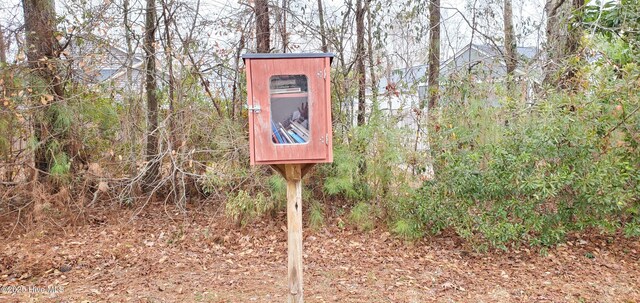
(288,56)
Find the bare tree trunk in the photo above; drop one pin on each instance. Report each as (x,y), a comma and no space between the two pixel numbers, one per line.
(360,54)
(432,82)
(40,27)
(360,72)
(127,37)
(131,99)
(473,32)
(166,15)
(153,164)
(3,47)
(371,57)
(235,110)
(283,32)
(177,178)
(563,41)
(323,35)
(511,59)
(434,53)
(263,29)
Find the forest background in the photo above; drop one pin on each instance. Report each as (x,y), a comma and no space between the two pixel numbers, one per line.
(530,169)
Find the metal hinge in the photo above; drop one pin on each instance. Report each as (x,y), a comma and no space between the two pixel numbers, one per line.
(256,109)
(325,139)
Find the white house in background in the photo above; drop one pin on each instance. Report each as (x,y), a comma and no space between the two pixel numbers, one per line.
(401,90)
(486,63)
(97,61)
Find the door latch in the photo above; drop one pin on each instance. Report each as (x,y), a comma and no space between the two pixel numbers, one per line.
(256,109)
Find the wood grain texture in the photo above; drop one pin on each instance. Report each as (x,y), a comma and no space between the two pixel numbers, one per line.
(306,168)
(280,168)
(252,157)
(294,232)
(327,87)
(292,161)
(263,150)
(293,172)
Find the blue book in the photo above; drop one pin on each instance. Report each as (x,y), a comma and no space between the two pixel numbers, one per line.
(296,137)
(275,132)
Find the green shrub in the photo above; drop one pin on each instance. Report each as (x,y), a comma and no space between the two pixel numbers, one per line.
(342,175)
(316,215)
(370,164)
(407,229)
(243,207)
(569,163)
(278,191)
(60,169)
(362,216)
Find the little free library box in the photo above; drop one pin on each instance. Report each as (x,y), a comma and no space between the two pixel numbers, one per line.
(289,105)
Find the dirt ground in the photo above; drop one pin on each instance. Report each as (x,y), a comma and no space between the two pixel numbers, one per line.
(165,256)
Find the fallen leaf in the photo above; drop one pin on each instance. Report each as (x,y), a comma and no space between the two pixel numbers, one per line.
(103,186)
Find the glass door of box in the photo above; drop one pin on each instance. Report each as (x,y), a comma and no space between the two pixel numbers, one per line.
(289,96)
(291,123)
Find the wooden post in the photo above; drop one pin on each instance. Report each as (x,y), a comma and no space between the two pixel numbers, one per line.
(293,174)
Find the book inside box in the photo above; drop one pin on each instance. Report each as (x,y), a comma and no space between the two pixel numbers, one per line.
(289,109)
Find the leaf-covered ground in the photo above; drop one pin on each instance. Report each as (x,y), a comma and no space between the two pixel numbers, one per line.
(160,256)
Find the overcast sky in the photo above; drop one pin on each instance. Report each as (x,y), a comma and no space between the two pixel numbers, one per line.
(455,30)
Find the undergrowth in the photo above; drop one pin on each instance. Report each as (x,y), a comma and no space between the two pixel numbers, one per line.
(506,172)
(568,163)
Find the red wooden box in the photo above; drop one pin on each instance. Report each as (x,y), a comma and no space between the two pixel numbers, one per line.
(289,103)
